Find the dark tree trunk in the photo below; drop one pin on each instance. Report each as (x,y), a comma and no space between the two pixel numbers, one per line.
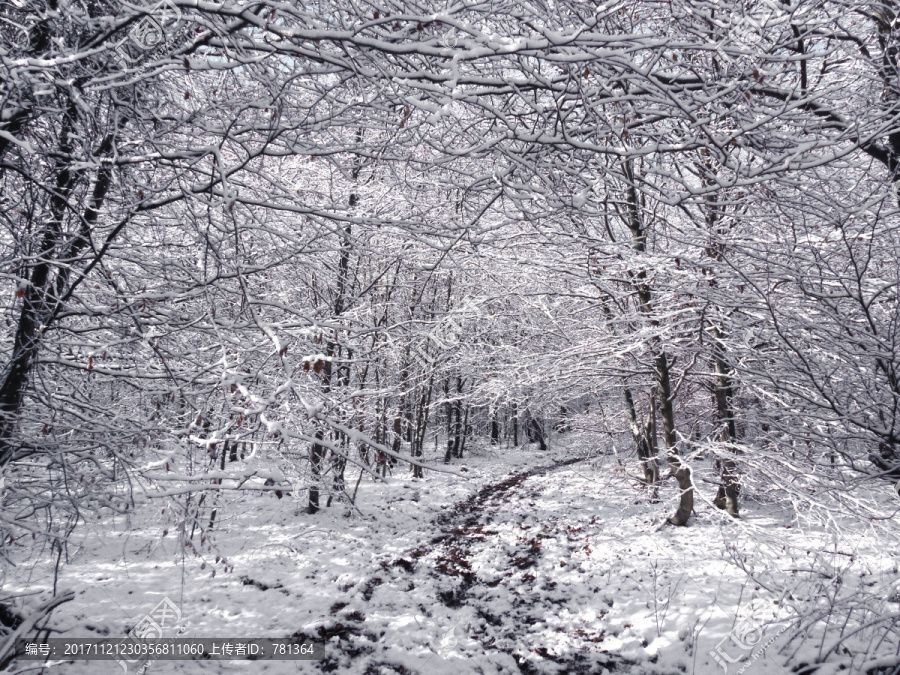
(42,297)
(448,411)
(661,362)
(466,427)
(459,425)
(418,442)
(338,466)
(728,493)
(316,455)
(645,440)
(396,445)
(563,425)
(515,424)
(534,431)
(682,471)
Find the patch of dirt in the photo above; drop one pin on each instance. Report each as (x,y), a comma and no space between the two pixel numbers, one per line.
(247,581)
(465,529)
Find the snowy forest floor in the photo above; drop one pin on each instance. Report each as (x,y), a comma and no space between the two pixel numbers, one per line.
(536,562)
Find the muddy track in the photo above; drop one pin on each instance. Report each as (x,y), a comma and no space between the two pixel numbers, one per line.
(464,525)
(465,531)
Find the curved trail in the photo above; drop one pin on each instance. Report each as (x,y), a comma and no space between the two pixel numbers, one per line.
(464,528)
(489,583)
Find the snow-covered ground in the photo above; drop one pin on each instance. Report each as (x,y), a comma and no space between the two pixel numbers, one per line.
(535,562)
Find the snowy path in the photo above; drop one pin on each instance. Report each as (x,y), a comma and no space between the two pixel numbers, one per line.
(502,585)
(544,563)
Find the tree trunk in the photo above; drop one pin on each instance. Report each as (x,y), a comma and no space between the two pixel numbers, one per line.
(465,434)
(459,425)
(418,439)
(316,455)
(448,406)
(534,431)
(681,470)
(515,424)
(645,440)
(729,492)
(661,361)
(44,293)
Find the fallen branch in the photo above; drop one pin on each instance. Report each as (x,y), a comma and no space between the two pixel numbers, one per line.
(8,647)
